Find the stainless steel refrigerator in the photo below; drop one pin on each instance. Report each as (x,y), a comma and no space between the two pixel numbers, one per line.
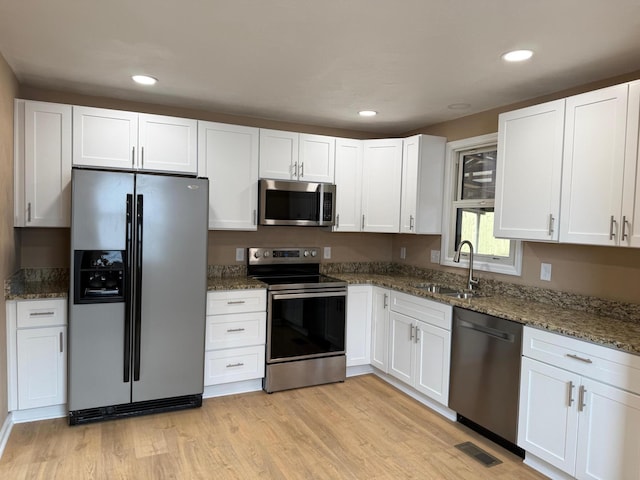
(137,295)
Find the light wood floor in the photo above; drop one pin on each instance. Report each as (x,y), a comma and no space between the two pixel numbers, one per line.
(360,429)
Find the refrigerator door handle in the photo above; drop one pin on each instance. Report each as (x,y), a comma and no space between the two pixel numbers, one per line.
(138,289)
(127,298)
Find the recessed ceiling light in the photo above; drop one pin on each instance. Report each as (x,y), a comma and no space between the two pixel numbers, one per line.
(517,55)
(367,113)
(459,106)
(144,79)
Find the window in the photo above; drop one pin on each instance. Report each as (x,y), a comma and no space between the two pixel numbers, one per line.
(470,182)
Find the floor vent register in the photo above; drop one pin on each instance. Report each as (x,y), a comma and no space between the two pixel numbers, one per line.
(477,453)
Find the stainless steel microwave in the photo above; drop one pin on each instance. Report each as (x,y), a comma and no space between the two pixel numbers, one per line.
(304,204)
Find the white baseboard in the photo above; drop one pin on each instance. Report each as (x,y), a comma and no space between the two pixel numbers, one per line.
(232,388)
(545,468)
(42,413)
(359,370)
(5,431)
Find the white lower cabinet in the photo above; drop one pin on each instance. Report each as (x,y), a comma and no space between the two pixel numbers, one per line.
(235,336)
(420,344)
(586,427)
(380,328)
(358,344)
(37,353)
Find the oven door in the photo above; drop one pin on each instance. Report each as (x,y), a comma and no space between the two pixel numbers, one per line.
(305,324)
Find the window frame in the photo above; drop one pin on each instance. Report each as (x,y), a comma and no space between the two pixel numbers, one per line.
(510,266)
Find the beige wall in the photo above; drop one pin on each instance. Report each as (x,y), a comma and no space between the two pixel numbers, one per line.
(8,263)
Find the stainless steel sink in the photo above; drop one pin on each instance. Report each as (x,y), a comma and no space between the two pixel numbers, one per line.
(462,295)
(434,288)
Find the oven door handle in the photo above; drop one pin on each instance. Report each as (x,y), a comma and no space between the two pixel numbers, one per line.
(289,296)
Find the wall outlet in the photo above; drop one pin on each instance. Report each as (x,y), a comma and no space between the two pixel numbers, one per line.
(435,256)
(327,253)
(239,254)
(403,252)
(545,272)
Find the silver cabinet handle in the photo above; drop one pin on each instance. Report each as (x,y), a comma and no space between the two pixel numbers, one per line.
(582,398)
(363,221)
(571,387)
(337,221)
(231,330)
(29,212)
(235,302)
(295,170)
(410,222)
(133,156)
(551,222)
(232,365)
(61,343)
(142,157)
(411,333)
(625,222)
(417,334)
(255,216)
(612,225)
(41,314)
(386,301)
(301,169)
(582,359)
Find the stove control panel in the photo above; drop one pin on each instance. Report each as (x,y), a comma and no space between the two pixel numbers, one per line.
(284,255)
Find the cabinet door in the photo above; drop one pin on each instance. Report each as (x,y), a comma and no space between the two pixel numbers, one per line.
(630,235)
(348,173)
(47,165)
(401,344)
(358,325)
(168,144)
(433,354)
(317,158)
(608,440)
(593,166)
(278,154)
(105,138)
(548,417)
(529,169)
(410,164)
(42,367)
(228,156)
(381,184)
(380,329)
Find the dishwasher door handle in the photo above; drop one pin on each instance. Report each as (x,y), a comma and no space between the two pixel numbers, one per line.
(492,332)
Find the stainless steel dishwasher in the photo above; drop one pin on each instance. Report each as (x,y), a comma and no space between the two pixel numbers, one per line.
(485,373)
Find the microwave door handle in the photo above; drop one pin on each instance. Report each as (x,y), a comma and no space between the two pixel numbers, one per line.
(289,296)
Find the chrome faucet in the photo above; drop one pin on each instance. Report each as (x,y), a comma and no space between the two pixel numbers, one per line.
(456,258)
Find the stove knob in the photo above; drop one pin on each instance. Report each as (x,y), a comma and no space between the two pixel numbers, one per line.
(306,253)
(256,254)
(267,253)
(314,253)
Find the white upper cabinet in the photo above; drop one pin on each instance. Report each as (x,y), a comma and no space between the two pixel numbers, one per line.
(422,184)
(529,172)
(128,140)
(296,156)
(381,185)
(42,164)
(593,167)
(630,221)
(348,173)
(228,156)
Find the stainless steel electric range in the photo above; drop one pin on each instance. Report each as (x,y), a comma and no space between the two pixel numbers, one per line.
(306,318)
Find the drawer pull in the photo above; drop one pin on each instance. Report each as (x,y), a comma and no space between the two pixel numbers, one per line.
(232,365)
(231,330)
(41,314)
(235,302)
(576,357)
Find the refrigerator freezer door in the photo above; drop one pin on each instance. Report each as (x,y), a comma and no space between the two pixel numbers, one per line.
(173,286)
(97,331)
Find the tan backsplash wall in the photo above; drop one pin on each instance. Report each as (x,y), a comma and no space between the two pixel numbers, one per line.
(8,237)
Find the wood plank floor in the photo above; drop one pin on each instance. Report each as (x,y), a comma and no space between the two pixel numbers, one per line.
(360,429)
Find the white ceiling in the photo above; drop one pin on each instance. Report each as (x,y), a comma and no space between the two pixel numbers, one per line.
(319,62)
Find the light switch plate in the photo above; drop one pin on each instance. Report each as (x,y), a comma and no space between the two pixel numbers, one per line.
(239,254)
(403,252)
(435,256)
(327,253)
(545,272)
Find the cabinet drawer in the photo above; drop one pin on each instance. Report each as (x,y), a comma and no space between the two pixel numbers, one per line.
(233,365)
(613,367)
(236,301)
(433,313)
(236,330)
(41,313)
